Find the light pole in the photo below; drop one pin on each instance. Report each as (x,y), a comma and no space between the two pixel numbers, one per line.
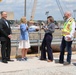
(74,13)
(24,7)
(46,13)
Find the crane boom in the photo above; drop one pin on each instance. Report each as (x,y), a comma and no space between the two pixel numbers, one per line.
(33,9)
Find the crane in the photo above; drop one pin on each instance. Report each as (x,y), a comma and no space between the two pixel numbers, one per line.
(33,9)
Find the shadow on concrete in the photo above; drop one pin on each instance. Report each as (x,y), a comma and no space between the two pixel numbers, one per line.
(74,64)
(56,60)
(0,60)
(18,59)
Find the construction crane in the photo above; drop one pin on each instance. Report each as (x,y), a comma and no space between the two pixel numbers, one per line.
(33,9)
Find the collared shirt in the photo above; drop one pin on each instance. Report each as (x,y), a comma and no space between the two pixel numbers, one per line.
(6,23)
(50,28)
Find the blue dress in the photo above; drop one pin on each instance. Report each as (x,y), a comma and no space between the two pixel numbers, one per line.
(24,36)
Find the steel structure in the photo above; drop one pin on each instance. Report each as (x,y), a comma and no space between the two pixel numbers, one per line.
(33,9)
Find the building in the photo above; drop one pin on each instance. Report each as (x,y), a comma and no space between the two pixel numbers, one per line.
(10,15)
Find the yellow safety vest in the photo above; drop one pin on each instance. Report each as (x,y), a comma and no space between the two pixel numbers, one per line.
(67,27)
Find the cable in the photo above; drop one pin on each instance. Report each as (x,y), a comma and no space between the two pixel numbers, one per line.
(65,5)
(60,7)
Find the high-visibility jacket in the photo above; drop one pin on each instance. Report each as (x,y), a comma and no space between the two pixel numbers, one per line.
(67,27)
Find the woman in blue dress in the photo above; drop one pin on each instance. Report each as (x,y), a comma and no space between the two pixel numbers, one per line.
(24,43)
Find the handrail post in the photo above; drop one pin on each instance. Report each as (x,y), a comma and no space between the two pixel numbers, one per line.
(38,42)
(17,48)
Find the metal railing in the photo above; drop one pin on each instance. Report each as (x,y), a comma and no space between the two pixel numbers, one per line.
(36,40)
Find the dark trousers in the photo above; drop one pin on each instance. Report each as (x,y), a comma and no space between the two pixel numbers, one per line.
(46,44)
(5,49)
(67,45)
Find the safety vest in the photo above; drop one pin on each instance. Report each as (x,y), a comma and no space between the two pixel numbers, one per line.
(67,27)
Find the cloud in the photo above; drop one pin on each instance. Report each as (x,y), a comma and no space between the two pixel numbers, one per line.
(8,1)
(69,0)
(12,5)
(17,6)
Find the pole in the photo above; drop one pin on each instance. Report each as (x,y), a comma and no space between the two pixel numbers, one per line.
(74,13)
(47,12)
(24,7)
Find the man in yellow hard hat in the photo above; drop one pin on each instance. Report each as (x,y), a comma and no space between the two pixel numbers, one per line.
(68,35)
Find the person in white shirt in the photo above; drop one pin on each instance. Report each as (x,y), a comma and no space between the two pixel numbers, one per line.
(67,39)
(32,26)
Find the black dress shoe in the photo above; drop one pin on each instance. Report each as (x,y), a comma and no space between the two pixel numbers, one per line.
(10,60)
(61,62)
(66,63)
(43,59)
(4,61)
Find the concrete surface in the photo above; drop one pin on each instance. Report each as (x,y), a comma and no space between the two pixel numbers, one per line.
(33,66)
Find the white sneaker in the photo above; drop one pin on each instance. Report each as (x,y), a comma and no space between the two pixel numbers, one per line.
(22,59)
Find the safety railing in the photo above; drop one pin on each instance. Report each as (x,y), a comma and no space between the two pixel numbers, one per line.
(35,39)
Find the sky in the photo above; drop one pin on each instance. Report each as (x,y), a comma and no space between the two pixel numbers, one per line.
(17,6)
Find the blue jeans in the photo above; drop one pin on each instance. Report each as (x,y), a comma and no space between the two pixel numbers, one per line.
(67,45)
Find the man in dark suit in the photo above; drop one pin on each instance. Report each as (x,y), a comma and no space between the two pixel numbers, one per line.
(5,37)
